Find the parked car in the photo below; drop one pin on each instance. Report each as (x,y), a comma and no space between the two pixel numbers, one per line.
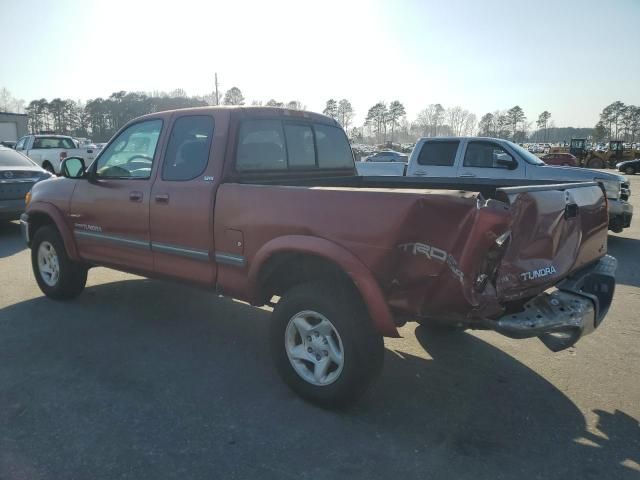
(386,162)
(17,175)
(482,158)
(48,151)
(270,210)
(387,156)
(630,167)
(563,159)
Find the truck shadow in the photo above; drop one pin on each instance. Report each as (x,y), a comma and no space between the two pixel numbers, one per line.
(627,251)
(171,381)
(10,240)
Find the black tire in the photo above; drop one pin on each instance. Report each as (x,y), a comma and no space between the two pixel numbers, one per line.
(363,347)
(72,276)
(630,170)
(49,168)
(596,163)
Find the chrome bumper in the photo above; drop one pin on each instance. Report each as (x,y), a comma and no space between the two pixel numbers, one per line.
(559,319)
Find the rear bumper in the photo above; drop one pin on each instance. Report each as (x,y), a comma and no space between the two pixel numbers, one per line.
(11,209)
(559,319)
(620,215)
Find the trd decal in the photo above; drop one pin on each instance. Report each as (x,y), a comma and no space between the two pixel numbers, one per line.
(433,253)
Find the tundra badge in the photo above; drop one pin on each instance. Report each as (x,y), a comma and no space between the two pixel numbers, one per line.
(541,272)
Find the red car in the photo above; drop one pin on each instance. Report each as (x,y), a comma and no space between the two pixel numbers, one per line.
(264,205)
(563,159)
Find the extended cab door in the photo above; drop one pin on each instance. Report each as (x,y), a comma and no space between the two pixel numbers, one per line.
(182,201)
(110,214)
(434,158)
(488,159)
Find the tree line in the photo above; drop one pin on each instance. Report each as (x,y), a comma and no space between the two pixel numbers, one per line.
(100,118)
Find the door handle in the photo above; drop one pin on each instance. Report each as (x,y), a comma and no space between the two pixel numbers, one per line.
(162,198)
(135,196)
(467,175)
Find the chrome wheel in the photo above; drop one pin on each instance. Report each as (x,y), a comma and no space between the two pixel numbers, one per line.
(48,265)
(314,348)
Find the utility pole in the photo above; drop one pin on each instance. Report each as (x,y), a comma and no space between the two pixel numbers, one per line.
(217,97)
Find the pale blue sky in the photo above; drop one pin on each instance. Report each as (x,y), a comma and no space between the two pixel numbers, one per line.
(571,57)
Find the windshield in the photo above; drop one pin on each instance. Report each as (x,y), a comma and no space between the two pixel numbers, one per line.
(528,156)
(10,158)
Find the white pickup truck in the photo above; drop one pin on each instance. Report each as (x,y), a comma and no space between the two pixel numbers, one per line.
(49,150)
(477,158)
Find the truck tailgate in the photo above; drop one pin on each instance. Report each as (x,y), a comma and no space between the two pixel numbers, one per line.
(555,230)
(481,257)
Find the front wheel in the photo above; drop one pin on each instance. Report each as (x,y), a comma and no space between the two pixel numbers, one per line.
(324,345)
(57,275)
(630,170)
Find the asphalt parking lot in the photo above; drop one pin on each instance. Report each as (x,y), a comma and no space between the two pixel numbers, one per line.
(146,379)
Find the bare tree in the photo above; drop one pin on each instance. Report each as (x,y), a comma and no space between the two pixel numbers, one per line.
(345,113)
(331,109)
(233,97)
(515,115)
(8,103)
(295,105)
(469,124)
(542,123)
(430,119)
(394,114)
(377,118)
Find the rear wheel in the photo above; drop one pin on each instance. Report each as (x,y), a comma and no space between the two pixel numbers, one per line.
(47,166)
(630,170)
(324,345)
(57,275)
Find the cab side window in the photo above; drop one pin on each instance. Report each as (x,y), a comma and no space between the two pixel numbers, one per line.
(21,143)
(438,153)
(188,149)
(486,155)
(261,146)
(300,148)
(131,154)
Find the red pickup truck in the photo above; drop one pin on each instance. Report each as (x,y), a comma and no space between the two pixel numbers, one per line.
(264,205)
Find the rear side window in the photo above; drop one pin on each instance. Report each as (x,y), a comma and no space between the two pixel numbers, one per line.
(53,142)
(300,149)
(261,146)
(441,154)
(270,145)
(188,148)
(334,150)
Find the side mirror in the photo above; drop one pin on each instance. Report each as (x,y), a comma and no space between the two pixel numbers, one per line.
(72,167)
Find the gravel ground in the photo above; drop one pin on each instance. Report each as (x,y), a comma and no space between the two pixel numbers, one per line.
(140,378)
